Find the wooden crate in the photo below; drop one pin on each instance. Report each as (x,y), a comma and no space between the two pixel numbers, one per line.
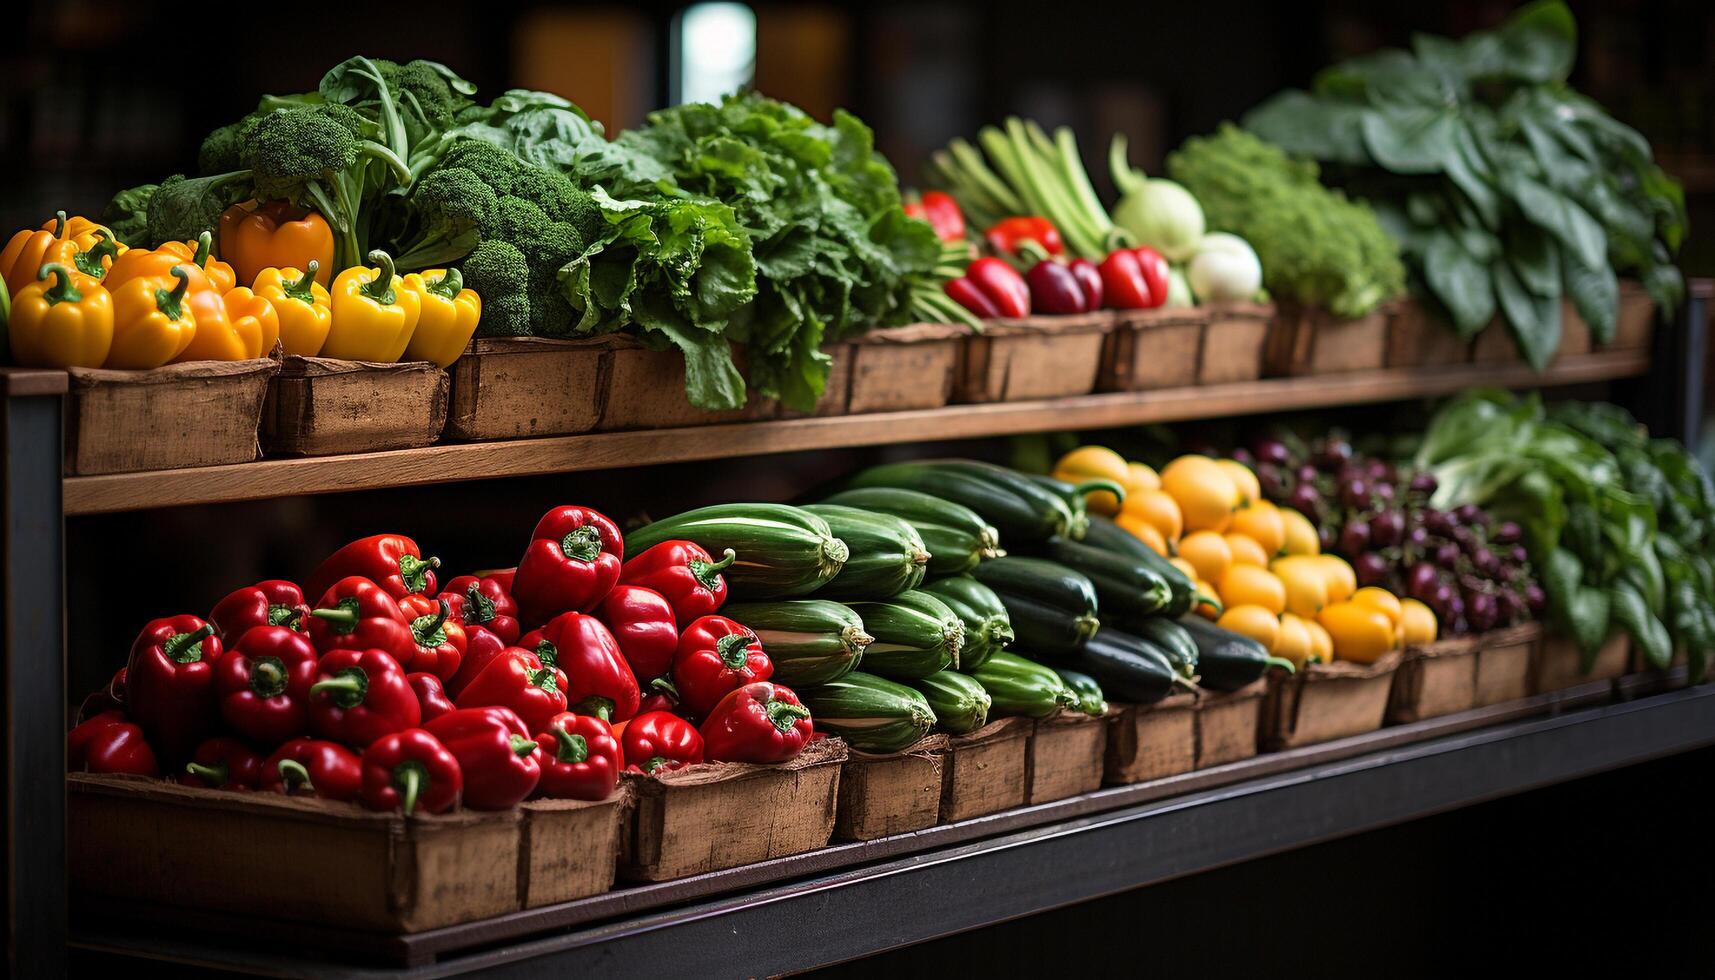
(569,849)
(1558,665)
(984,772)
(319,406)
(1634,328)
(288,857)
(201,413)
(1495,345)
(515,387)
(1434,680)
(723,815)
(646,390)
(900,369)
(1506,664)
(837,392)
(1150,349)
(1233,342)
(1032,357)
(883,795)
(1310,340)
(1417,337)
(1151,741)
(1574,331)
(1067,752)
(1322,702)
(1228,724)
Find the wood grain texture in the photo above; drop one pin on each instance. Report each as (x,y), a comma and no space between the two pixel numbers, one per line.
(22,382)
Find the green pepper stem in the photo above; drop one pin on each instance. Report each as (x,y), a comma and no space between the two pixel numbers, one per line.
(186,648)
(427,629)
(169,301)
(414,571)
(708,572)
(205,245)
(597,706)
(267,676)
(380,289)
(654,763)
(59,224)
(582,544)
(1279,662)
(785,714)
(548,653)
(410,777)
(573,748)
(348,687)
(522,746)
(62,291)
(544,679)
(337,616)
(293,773)
(1091,486)
(214,775)
(301,290)
(734,649)
(448,285)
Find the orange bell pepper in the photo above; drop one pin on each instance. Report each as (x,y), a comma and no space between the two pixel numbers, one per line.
(200,253)
(94,259)
(303,306)
(78,229)
(63,319)
(237,326)
(275,235)
(152,321)
(158,262)
(28,251)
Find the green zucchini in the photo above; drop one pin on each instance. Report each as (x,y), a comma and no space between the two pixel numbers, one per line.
(1017,686)
(1126,587)
(1076,500)
(1108,536)
(809,641)
(782,551)
(961,704)
(1173,640)
(1128,667)
(871,713)
(987,626)
(956,536)
(1023,510)
(1052,607)
(1227,661)
(886,557)
(1091,700)
(915,635)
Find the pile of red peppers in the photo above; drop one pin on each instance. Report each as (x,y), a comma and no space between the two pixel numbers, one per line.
(548,679)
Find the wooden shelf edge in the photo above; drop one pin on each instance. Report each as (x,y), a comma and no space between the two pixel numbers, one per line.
(448,462)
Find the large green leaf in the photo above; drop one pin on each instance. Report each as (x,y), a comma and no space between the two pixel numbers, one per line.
(1539,43)
(1649,636)
(1412,140)
(1461,282)
(1595,294)
(1534,256)
(1560,217)
(1306,126)
(1534,320)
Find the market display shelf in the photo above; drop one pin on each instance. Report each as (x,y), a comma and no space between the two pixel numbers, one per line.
(867,897)
(561,454)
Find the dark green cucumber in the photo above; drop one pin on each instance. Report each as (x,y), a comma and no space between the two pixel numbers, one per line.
(1017,686)
(886,557)
(1227,661)
(1129,668)
(961,704)
(1020,508)
(810,641)
(871,713)
(1171,639)
(957,537)
(782,551)
(1052,607)
(1076,500)
(987,626)
(1127,588)
(1091,700)
(1108,536)
(915,635)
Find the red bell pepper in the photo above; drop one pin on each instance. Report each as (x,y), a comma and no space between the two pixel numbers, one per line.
(327,769)
(684,574)
(659,695)
(223,763)
(659,740)
(570,564)
(169,683)
(1009,235)
(518,679)
(502,576)
(480,650)
(1123,282)
(716,655)
(409,769)
(110,743)
(391,561)
(355,614)
(942,212)
(485,603)
(361,695)
(600,681)
(1055,289)
(990,288)
(262,685)
(759,722)
(432,700)
(1089,280)
(274,602)
(495,752)
(642,623)
(108,697)
(437,637)
(581,759)
(1155,273)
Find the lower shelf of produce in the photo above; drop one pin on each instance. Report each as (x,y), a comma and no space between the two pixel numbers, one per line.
(878,895)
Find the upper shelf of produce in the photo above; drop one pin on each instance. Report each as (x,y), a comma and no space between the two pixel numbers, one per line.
(522,457)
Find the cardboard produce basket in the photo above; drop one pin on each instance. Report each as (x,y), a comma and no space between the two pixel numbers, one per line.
(899,369)
(569,849)
(1067,756)
(288,857)
(515,387)
(319,406)
(1558,665)
(1417,337)
(1233,342)
(883,795)
(836,392)
(1228,723)
(1151,741)
(723,815)
(200,413)
(1634,327)
(1506,660)
(1327,701)
(646,390)
(1433,680)
(1310,340)
(1150,349)
(1033,357)
(984,772)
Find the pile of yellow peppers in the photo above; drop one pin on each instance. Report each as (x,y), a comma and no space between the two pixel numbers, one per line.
(81,298)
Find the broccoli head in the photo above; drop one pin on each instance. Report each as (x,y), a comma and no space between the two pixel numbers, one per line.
(182,208)
(450,208)
(425,92)
(127,215)
(500,274)
(496,167)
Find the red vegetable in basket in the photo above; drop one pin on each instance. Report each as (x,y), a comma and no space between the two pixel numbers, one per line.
(327,769)
(716,655)
(437,637)
(520,680)
(355,614)
(1009,236)
(480,650)
(759,722)
(391,561)
(600,682)
(581,759)
(659,740)
(1124,283)
(990,288)
(432,700)
(644,626)
(572,561)
(1054,289)
(684,574)
(659,695)
(108,697)
(941,210)
(411,769)
(169,683)
(1089,280)
(496,755)
(223,762)
(110,743)
(1155,271)
(274,602)
(484,603)
(361,695)
(262,684)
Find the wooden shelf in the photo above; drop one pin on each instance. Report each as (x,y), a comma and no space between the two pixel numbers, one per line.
(609,450)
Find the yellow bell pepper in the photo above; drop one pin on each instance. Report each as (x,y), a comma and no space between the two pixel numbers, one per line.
(152,321)
(373,315)
(76,228)
(200,254)
(63,319)
(303,306)
(94,259)
(448,317)
(277,234)
(27,251)
(158,262)
(237,326)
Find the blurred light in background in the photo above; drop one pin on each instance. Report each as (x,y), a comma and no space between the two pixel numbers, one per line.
(714,51)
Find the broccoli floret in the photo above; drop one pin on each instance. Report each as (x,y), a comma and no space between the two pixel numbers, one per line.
(127,215)
(221,150)
(547,245)
(500,274)
(182,208)
(423,92)
(451,207)
(496,167)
